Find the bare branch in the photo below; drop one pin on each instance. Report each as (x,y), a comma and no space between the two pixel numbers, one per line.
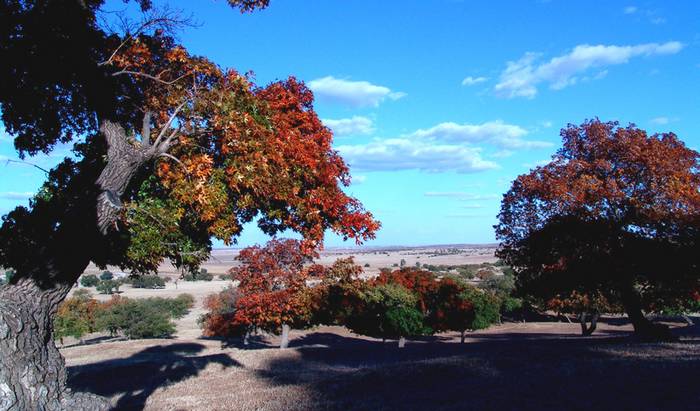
(149,76)
(172,157)
(26,163)
(167,124)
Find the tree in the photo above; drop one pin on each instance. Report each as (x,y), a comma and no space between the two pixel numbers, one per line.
(107,287)
(89,280)
(451,310)
(388,311)
(76,316)
(170,149)
(272,282)
(616,211)
(106,275)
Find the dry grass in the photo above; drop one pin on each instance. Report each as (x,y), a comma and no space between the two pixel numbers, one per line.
(515,366)
(533,366)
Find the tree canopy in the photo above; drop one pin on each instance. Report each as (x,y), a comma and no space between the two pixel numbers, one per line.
(616,210)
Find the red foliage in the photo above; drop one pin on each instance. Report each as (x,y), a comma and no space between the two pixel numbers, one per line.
(423,283)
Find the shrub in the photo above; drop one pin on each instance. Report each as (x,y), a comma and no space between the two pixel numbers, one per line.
(148,281)
(106,275)
(76,316)
(142,318)
(8,275)
(89,280)
(224,277)
(366,265)
(107,286)
(202,275)
(219,320)
(486,307)
(485,273)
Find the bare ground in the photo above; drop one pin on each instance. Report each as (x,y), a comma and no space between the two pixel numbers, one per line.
(531,366)
(523,366)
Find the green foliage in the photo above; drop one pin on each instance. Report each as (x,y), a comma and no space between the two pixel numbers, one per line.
(8,275)
(486,307)
(106,275)
(76,316)
(148,281)
(89,280)
(143,318)
(388,311)
(202,275)
(108,286)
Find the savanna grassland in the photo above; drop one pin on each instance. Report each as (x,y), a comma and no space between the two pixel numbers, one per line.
(534,365)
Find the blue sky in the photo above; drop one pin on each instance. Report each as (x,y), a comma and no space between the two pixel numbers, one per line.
(438,105)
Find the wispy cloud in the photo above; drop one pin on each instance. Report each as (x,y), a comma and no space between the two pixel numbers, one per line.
(521,77)
(350,126)
(460,195)
(630,10)
(497,133)
(470,81)
(352,93)
(406,154)
(663,120)
(444,147)
(14,195)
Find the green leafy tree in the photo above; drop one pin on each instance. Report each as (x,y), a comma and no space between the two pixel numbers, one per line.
(106,275)
(388,311)
(107,287)
(170,151)
(89,280)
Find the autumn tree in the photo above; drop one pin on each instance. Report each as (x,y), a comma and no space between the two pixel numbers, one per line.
(272,281)
(616,211)
(452,311)
(170,151)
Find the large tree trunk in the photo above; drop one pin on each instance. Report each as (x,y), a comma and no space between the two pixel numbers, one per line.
(32,370)
(644,329)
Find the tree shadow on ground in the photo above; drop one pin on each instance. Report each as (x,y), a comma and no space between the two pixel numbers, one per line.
(525,371)
(139,375)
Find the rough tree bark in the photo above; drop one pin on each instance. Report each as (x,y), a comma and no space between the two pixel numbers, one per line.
(32,370)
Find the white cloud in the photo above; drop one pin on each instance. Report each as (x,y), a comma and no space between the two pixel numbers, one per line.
(538,163)
(406,154)
(350,126)
(497,133)
(660,120)
(13,195)
(352,93)
(630,10)
(445,147)
(358,179)
(460,195)
(470,81)
(521,77)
